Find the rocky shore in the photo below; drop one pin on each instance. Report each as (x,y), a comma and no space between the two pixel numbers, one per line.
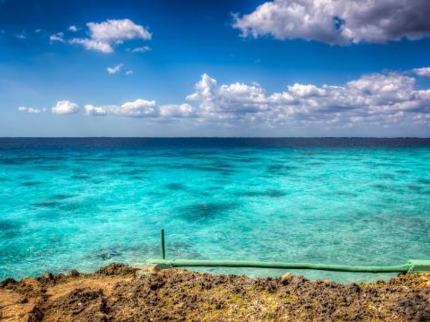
(122,293)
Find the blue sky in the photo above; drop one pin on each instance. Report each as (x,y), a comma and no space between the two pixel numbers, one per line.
(215,68)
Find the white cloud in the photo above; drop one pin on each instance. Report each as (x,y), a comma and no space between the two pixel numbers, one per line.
(137,108)
(142,108)
(177,110)
(114,70)
(117,31)
(73,28)
(31,110)
(129,72)
(57,37)
(237,97)
(90,44)
(65,107)
(383,98)
(423,72)
(104,35)
(95,111)
(142,49)
(338,21)
(306,90)
(422,118)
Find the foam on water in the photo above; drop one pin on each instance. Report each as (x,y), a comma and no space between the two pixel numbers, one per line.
(84,203)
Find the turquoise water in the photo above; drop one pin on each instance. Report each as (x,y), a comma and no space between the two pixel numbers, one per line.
(84,203)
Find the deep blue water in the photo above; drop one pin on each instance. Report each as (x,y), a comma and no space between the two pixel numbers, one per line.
(83,203)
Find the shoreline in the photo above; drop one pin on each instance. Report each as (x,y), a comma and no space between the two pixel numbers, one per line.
(118,292)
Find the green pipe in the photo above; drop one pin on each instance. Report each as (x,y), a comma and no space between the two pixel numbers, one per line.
(410,266)
(163,247)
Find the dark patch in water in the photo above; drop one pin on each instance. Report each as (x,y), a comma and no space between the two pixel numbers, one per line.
(80,176)
(424,181)
(49,167)
(403,171)
(384,187)
(278,168)
(344,194)
(31,183)
(175,186)
(8,228)
(9,162)
(131,172)
(223,165)
(47,204)
(222,171)
(61,196)
(386,176)
(204,211)
(127,163)
(316,163)
(414,188)
(8,225)
(247,160)
(272,193)
(3,179)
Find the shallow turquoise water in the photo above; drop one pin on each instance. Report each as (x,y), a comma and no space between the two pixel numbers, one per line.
(85,203)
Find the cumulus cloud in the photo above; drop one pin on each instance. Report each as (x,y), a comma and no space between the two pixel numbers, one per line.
(177,110)
(57,37)
(338,21)
(137,108)
(379,99)
(65,107)
(423,72)
(95,111)
(383,98)
(31,110)
(129,72)
(142,108)
(104,35)
(73,28)
(114,70)
(90,44)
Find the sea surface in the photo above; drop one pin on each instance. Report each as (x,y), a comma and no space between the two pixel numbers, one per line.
(86,202)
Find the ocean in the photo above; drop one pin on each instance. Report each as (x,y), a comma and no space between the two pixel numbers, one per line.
(82,203)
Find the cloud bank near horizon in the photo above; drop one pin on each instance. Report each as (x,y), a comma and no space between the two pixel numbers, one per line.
(383,99)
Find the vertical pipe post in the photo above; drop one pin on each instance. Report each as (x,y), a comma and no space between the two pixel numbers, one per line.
(163,247)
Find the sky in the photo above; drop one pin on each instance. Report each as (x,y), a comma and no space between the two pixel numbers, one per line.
(180,68)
